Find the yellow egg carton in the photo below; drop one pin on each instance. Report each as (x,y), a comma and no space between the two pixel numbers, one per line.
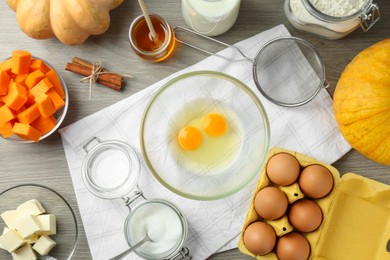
(356,216)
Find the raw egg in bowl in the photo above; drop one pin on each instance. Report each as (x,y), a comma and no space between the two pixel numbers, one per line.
(204,135)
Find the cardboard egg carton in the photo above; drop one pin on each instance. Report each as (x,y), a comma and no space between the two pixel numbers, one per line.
(356,216)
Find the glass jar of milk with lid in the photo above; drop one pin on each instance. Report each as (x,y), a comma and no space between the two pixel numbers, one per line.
(331,19)
(210,17)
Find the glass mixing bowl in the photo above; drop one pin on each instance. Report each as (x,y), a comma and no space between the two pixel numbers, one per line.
(54,203)
(220,166)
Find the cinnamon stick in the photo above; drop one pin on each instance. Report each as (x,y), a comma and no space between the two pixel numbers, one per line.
(113,81)
(85,63)
(110,85)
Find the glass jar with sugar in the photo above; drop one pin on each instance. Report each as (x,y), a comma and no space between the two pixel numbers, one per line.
(165,226)
(110,170)
(210,17)
(331,19)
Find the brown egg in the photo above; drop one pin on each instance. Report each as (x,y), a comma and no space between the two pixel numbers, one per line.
(293,246)
(305,215)
(271,203)
(316,181)
(283,169)
(259,238)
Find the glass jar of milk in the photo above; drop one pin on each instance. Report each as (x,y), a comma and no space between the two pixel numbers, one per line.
(331,19)
(210,17)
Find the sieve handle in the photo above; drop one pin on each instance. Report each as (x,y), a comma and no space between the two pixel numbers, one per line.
(178,28)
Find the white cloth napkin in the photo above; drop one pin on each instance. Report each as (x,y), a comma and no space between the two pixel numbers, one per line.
(213,225)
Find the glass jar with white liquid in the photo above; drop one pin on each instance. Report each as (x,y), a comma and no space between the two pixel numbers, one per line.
(331,19)
(210,17)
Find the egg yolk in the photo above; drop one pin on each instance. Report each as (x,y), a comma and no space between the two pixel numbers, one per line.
(189,138)
(214,124)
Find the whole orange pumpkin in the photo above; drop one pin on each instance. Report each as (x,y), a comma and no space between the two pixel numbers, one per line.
(71,21)
(362,102)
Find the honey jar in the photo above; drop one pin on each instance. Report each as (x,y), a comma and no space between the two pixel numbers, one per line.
(144,45)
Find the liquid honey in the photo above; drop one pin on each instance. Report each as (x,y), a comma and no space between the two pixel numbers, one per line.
(143,43)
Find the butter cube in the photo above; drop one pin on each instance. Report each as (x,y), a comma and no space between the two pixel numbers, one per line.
(9,217)
(11,240)
(31,207)
(44,245)
(27,226)
(4,231)
(24,253)
(32,239)
(47,223)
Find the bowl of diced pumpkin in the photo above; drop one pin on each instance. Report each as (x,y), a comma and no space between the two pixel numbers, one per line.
(33,98)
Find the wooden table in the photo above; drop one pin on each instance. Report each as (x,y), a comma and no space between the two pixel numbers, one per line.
(45,162)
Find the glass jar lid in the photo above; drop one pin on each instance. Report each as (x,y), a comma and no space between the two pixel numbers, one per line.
(110,169)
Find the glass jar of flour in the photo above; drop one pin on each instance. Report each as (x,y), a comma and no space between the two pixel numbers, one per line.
(210,17)
(331,19)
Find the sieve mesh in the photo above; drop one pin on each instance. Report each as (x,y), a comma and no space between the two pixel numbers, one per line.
(281,74)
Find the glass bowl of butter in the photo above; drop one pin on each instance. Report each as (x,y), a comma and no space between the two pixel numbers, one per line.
(36,222)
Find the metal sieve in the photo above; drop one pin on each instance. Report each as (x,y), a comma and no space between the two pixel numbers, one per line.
(288,71)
